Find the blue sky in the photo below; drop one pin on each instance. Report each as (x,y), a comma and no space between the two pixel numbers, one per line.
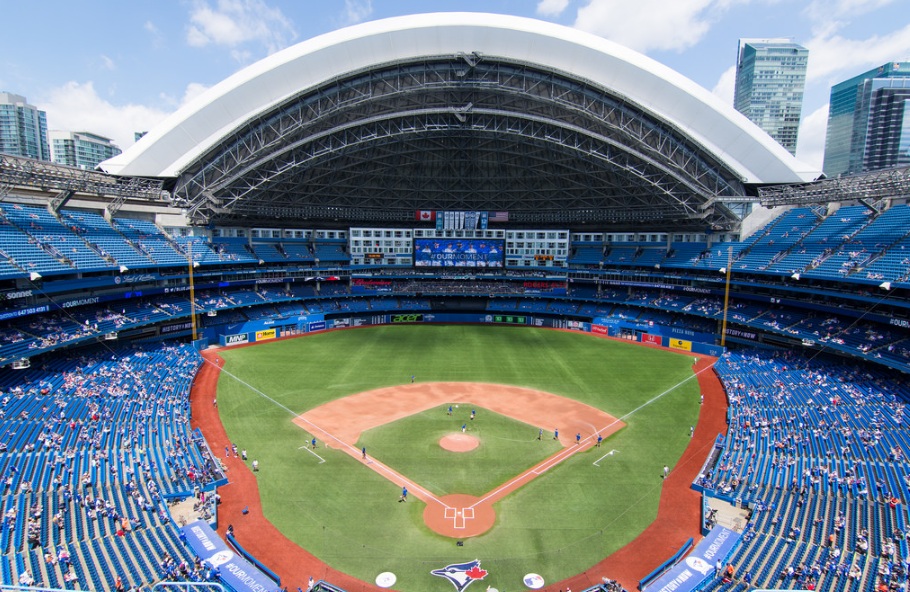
(114,67)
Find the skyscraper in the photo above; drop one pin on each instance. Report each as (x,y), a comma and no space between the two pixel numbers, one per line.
(770,79)
(869,121)
(81,149)
(23,128)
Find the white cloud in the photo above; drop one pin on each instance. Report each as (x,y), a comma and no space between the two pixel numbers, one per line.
(78,107)
(150,27)
(108,63)
(241,56)
(823,11)
(193,90)
(646,25)
(196,38)
(811,146)
(356,11)
(830,53)
(726,85)
(551,8)
(233,22)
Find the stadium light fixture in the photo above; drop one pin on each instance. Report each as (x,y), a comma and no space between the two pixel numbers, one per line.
(34,276)
(723,270)
(124,269)
(795,276)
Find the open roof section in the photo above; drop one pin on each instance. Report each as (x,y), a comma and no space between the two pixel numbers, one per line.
(459,111)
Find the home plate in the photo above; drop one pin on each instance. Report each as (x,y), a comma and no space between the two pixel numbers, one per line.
(386,579)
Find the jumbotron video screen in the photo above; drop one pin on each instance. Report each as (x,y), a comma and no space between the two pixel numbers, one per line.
(459,252)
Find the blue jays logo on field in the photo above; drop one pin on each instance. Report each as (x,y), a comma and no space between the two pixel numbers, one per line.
(461,574)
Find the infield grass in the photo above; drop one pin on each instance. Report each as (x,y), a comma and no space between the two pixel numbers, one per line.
(558,525)
(411,447)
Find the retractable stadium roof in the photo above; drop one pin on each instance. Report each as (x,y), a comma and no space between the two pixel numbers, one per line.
(459,112)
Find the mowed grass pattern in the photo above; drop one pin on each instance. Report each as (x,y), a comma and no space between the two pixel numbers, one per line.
(411,447)
(558,525)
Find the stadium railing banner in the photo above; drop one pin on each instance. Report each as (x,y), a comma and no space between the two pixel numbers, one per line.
(699,565)
(24,312)
(669,563)
(315,326)
(236,572)
(600,329)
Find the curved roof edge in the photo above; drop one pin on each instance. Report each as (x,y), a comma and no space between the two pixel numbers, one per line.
(192,130)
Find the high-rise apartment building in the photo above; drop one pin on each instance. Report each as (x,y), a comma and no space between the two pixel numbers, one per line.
(869,121)
(81,149)
(23,128)
(770,80)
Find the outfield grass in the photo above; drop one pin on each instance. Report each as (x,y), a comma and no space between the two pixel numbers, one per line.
(411,447)
(558,525)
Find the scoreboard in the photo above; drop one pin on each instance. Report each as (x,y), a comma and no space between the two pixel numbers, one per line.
(510,319)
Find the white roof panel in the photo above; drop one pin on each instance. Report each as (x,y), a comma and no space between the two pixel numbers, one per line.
(191,131)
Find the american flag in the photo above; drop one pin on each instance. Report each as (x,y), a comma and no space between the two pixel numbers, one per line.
(499,217)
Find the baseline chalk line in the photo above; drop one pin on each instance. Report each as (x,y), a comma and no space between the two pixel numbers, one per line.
(603,457)
(307,448)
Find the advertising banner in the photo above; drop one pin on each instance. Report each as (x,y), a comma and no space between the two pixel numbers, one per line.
(606,321)
(236,339)
(699,565)
(650,338)
(315,326)
(266,334)
(236,572)
(600,329)
(682,344)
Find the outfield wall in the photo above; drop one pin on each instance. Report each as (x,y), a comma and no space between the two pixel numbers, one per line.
(664,336)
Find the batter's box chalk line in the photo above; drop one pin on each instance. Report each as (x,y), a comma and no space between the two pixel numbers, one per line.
(459,516)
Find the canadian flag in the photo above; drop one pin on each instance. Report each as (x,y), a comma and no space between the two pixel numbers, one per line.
(425,215)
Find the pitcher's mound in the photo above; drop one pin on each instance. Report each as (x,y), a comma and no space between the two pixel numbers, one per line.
(459,442)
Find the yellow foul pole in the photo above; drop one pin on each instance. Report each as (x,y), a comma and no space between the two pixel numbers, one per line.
(723,326)
(193,291)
